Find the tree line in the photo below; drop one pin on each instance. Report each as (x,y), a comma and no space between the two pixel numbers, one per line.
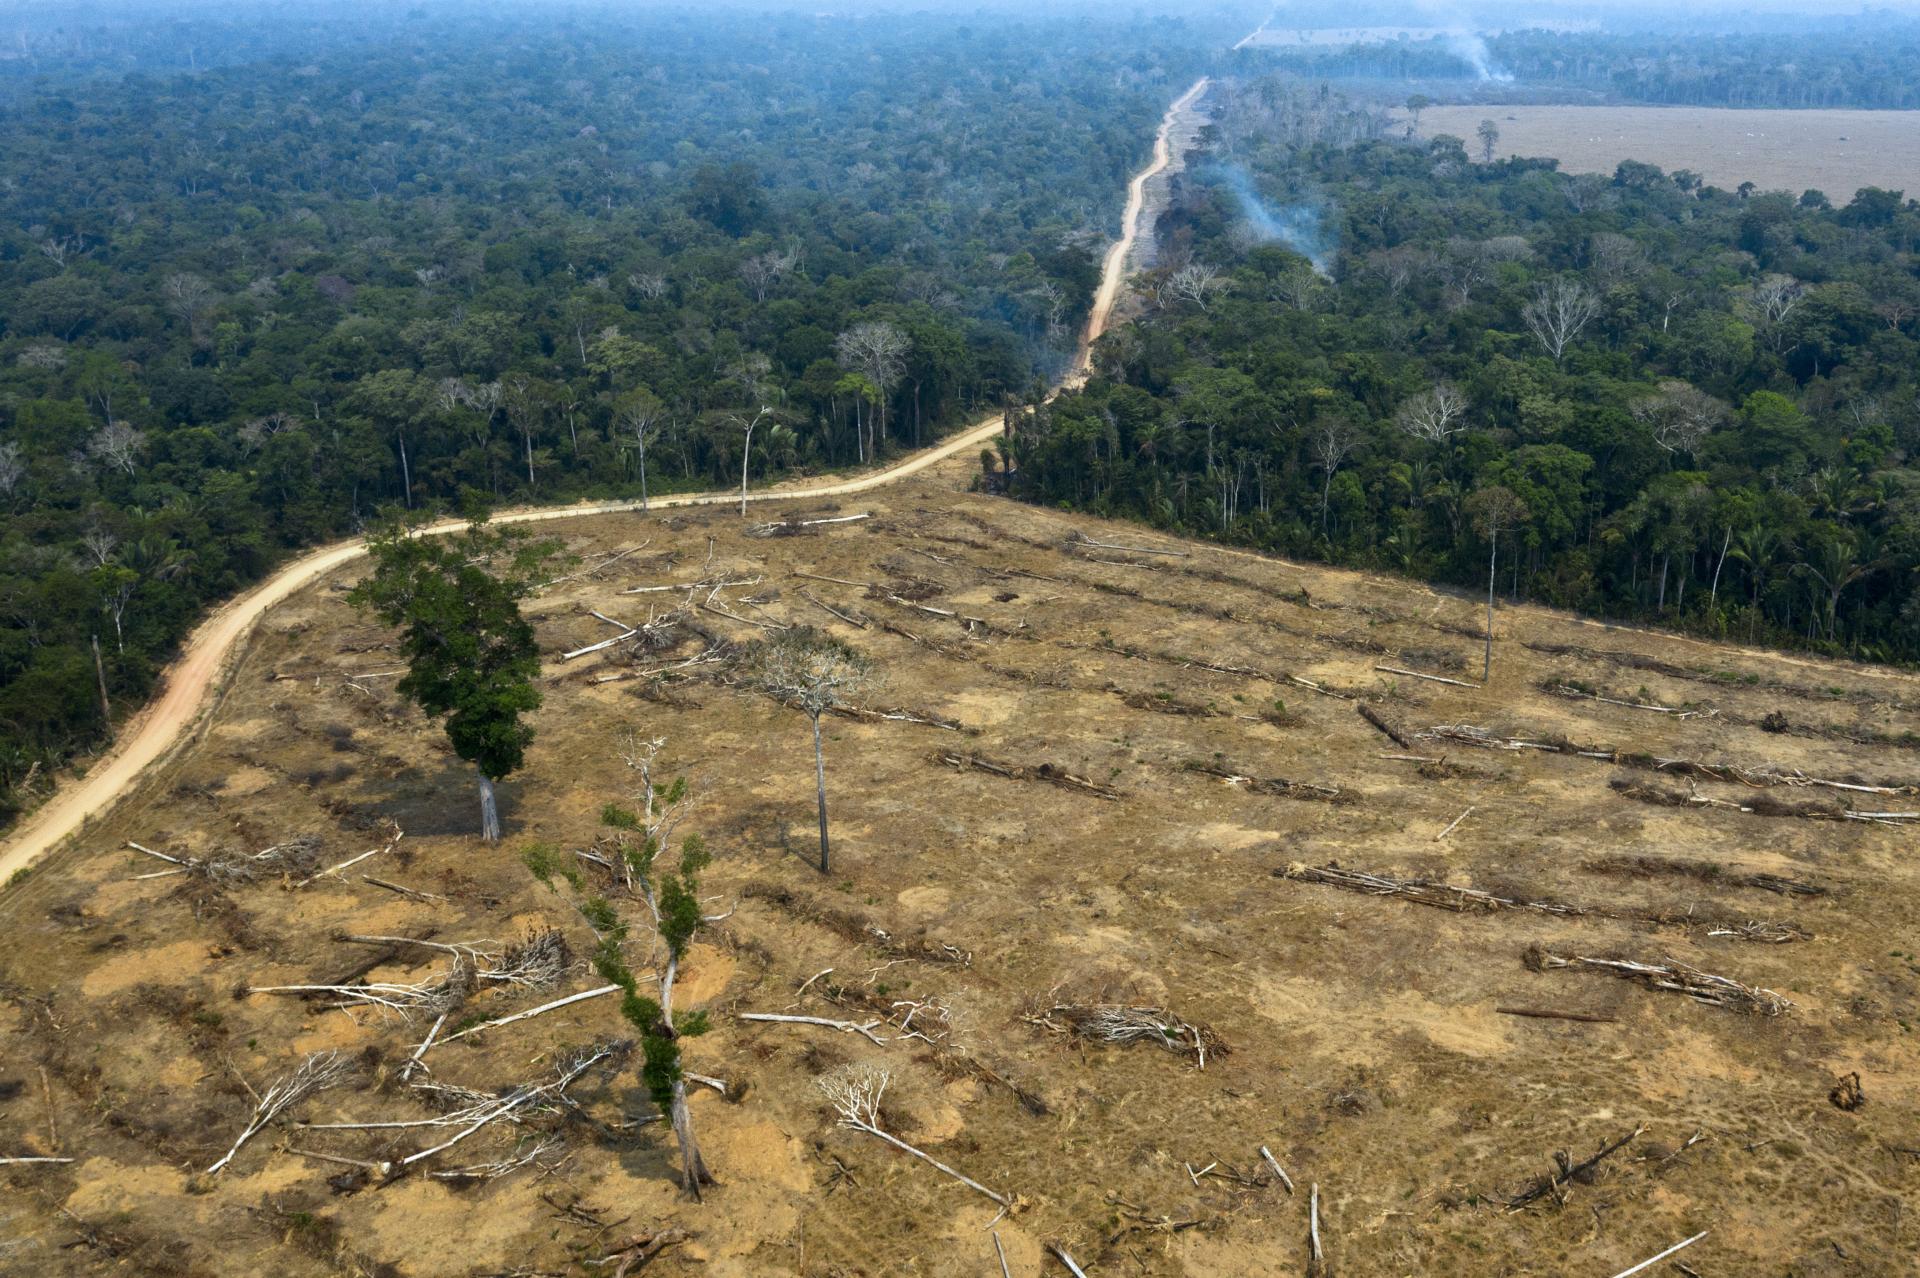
(1681,404)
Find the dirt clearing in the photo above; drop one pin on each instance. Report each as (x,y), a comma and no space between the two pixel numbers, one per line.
(1837,152)
(1099,790)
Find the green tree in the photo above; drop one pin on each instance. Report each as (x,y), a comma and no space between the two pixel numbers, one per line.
(671,895)
(471,656)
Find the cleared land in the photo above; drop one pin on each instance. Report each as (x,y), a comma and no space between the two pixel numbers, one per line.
(1104,772)
(1837,152)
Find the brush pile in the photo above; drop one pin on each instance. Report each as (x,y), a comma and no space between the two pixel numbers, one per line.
(1121,1023)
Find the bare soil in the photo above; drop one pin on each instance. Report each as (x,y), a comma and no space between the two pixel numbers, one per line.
(1837,152)
(1361,1039)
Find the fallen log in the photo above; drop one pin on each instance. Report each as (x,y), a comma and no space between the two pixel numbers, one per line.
(1379,721)
(1547,1014)
(1047,772)
(1672,976)
(1430,678)
(1567,1170)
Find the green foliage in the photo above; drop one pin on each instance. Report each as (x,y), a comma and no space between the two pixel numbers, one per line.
(471,656)
(619,818)
(1726,444)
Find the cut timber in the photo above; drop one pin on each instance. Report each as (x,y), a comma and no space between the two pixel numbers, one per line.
(1081,539)
(1379,721)
(1279,1172)
(1430,678)
(1672,976)
(1566,1171)
(1654,1260)
(1547,1014)
(1046,772)
(532,1012)
(864,1029)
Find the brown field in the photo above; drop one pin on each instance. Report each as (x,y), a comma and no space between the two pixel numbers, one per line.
(1358,1036)
(1837,152)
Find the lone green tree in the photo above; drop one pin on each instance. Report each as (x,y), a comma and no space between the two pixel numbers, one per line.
(814,672)
(671,895)
(471,657)
(1495,509)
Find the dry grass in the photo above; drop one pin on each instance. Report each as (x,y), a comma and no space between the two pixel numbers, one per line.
(1833,151)
(1367,1054)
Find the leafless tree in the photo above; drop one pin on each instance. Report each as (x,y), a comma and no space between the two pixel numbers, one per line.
(1679,415)
(12,469)
(650,285)
(1434,415)
(56,248)
(100,545)
(1769,302)
(1495,509)
(877,350)
(118,445)
(1561,308)
(1192,283)
(640,415)
(259,430)
(1333,439)
(1615,259)
(526,402)
(747,426)
(1396,268)
(762,272)
(51,356)
(1463,267)
(187,296)
(814,673)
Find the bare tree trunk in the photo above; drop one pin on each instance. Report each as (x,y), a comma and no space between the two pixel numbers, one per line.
(529,439)
(820,791)
(693,1168)
(406,473)
(1713,597)
(643,474)
(489,811)
(1493,556)
(106,707)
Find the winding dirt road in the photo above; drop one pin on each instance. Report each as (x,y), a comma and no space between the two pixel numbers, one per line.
(193,682)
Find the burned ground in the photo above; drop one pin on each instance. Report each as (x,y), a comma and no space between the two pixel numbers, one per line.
(1092,776)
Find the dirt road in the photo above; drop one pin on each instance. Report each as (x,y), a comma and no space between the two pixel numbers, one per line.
(192,684)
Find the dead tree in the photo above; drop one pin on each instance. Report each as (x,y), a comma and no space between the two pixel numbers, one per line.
(855,1094)
(814,673)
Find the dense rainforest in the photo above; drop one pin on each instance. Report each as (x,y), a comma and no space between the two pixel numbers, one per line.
(522,258)
(1669,402)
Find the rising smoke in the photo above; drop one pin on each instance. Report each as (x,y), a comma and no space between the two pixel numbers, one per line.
(1300,226)
(1472,50)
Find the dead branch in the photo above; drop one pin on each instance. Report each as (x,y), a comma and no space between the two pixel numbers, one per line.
(314,1074)
(396,834)
(1047,772)
(1379,721)
(864,1029)
(1119,1023)
(1673,976)
(1552,1015)
(1279,787)
(1067,1260)
(809,596)
(228,868)
(532,1012)
(1453,824)
(1574,693)
(1081,539)
(412,894)
(1279,1172)
(793,527)
(638,1250)
(1315,1257)
(1651,1261)
(855,1093)
(1566,1170)
(1430,678)
(16,1159)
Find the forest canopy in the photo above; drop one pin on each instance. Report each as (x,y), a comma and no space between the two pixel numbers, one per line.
(247,308)
(1704,400)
